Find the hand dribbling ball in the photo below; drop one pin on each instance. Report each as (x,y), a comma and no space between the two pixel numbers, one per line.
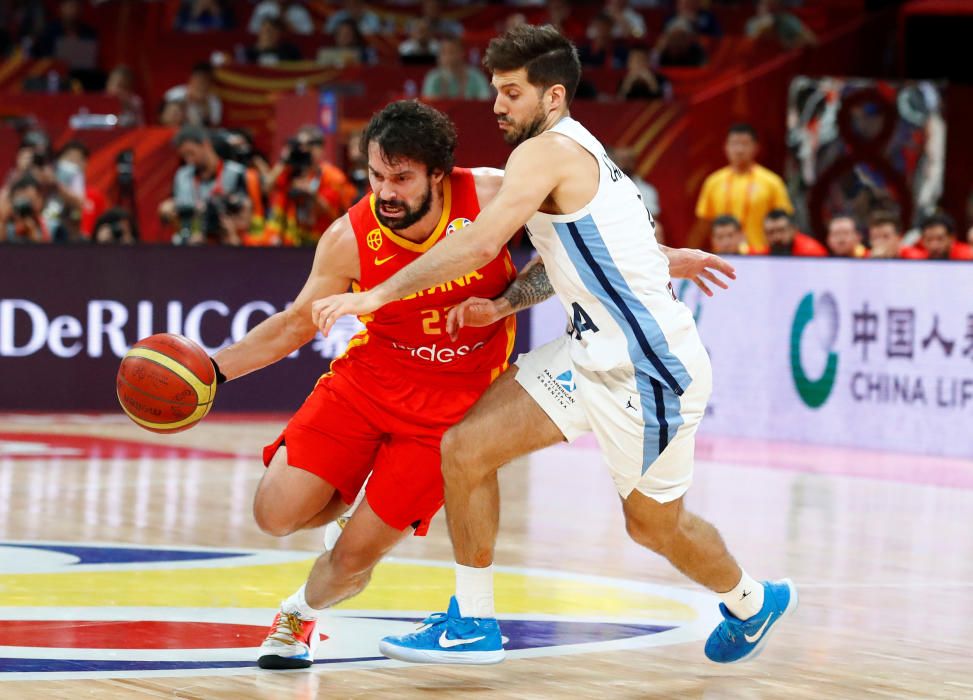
(166,383)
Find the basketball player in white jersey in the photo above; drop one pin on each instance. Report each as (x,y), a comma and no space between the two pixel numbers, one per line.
(632,368)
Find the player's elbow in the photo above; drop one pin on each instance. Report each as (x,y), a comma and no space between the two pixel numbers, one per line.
(485,251)
(298,325)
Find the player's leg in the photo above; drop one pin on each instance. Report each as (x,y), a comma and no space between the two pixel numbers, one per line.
(531,406)
(289,498)
(650,449)
(336,575)
(471,456)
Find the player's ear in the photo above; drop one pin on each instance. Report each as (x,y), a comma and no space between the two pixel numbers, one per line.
(556,96)
(437,176)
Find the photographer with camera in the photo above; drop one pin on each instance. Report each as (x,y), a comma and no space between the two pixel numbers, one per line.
(307,193)
(115,227)
(209,202)
(20,213)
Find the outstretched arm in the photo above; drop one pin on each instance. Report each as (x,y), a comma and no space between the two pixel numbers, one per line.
(524,190)
(335,266)
(531,287)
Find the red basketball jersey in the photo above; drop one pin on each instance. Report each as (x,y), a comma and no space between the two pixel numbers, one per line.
(411,332)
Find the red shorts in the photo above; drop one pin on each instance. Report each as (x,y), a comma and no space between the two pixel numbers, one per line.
(359,421)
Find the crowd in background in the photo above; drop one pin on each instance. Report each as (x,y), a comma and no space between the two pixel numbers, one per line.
(226,192)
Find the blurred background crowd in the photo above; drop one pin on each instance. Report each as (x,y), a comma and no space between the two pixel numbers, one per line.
(236,122)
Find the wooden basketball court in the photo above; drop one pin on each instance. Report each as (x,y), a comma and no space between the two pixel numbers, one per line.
(130,566)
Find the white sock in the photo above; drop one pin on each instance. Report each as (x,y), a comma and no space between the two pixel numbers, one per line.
(474,591)
(297,603)
(746,598)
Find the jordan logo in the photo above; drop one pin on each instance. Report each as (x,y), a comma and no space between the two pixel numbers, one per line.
(745,594)
(629,405)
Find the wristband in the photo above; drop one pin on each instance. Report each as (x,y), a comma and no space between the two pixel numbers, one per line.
(220,377)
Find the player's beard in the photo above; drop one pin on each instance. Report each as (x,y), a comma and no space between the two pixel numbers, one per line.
(409,217)
(520,133)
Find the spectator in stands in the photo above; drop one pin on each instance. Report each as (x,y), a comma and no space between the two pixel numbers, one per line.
(295,15)
(348,37)
(679,46)
(559,15)
(20,213)
(307,193)
(200,104)
(772,22)
(368,22)
(115,227)
(422,46)
(939,239)
(639,81)
(702,21)
(67,26)
(601,50)
(453,78)
(172,114)
(844,240)
(271,48)
(625,158)
(121,84)
(72,166)
(626,22)
(432,12)
(727,238)
(206,192)
(25,21)
(885,236)
(357,165)
(204,16)
(743,188)
(785,239)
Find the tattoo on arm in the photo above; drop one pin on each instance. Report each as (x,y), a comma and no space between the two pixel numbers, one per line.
(531,287)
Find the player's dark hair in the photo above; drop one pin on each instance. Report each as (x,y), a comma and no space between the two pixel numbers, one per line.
(881,218)
(549,57)
(778,214)
(743,128)
(938,219)
(410,129)
(726,220)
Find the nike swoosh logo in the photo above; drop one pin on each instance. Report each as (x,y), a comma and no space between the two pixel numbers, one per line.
(383,260)
(760,632)
(447,643)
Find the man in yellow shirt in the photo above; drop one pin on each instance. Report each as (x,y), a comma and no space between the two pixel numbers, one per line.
(743,189)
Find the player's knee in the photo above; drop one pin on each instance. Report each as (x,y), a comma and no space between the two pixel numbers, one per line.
(273,521)
(656,536)
(460,457)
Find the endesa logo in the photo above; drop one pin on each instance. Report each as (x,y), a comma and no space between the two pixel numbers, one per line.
(109,326)
(434,353)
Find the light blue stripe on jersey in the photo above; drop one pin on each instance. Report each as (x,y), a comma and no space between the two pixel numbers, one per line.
(647,346)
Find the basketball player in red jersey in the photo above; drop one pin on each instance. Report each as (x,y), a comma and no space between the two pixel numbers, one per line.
(383,407)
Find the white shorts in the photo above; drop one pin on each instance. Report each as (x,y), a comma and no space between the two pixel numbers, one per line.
(648,440)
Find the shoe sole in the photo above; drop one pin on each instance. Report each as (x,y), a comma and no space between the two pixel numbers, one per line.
(430,656)
(277,663)
(791,607)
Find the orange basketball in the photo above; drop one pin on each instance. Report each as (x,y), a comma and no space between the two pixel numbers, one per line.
(166,383)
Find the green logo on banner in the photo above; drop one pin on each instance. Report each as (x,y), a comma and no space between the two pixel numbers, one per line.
(814,392)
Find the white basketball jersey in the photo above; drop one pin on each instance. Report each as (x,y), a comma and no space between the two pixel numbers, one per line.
(608,271)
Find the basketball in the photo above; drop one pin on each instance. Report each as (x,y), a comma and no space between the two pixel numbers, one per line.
(166,383)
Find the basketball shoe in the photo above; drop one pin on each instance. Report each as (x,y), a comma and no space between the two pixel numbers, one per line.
(736,640)
(290,643)
(447,638)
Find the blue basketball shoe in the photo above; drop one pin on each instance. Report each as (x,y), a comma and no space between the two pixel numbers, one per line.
(447,638)
(736,640)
